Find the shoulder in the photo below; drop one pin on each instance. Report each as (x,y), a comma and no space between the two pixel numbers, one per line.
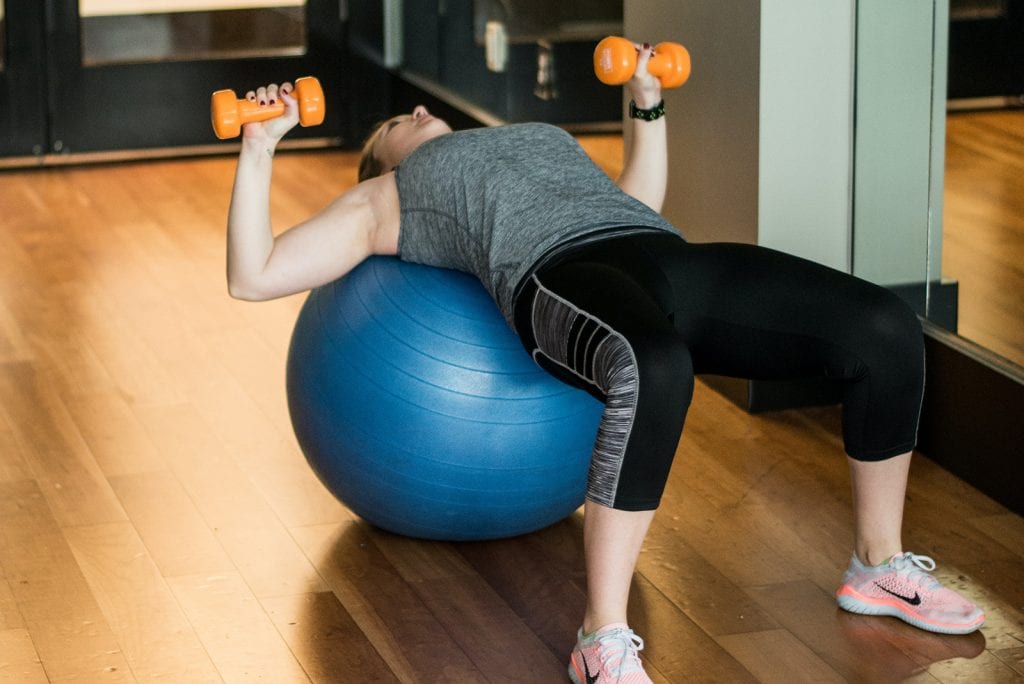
(372,207)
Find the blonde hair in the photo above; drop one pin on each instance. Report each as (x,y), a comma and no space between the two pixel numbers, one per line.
(369,165)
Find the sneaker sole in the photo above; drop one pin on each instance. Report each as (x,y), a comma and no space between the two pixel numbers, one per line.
(574,674)
(851,600)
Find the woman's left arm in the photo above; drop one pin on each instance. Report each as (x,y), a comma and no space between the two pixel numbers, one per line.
(645,171)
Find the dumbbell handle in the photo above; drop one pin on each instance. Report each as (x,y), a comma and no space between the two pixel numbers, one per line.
(250,111)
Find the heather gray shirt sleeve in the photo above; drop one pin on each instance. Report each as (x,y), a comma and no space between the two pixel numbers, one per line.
(492,201)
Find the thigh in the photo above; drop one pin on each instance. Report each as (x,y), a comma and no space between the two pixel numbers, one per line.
(753,312)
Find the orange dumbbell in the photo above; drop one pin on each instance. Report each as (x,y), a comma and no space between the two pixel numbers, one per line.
(615,61)
(228,113)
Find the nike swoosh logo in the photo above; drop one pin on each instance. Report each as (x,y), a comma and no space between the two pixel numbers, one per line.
(915,601)
(591,679)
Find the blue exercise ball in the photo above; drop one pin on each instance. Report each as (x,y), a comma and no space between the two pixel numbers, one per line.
(419,409)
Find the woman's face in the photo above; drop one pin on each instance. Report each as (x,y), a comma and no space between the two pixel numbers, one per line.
(404,133)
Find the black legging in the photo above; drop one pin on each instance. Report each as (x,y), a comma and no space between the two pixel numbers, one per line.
(633,319)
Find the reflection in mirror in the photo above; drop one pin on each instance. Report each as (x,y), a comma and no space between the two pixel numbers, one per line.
(983,212)
(983,225)
(123,31)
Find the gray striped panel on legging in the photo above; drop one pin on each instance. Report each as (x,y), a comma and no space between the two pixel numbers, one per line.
(557,328)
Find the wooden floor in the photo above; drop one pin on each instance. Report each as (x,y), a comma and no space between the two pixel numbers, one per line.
(983,247)
(158,523)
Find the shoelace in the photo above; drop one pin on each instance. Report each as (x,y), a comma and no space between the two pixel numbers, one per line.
(916,568)
(620,651)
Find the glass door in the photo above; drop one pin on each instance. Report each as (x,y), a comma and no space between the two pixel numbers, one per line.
(22,82)
(137,74)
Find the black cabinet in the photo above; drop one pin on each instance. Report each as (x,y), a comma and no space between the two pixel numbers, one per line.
(986,49)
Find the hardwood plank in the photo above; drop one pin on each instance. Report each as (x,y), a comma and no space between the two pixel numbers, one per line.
(271,458)
(117,440)
(985,668)
(1013,657)
(13,345)
(418,560)
(13,466)
(67,360)
(20,663)
(169,524)
(325,639)
(234,629)
(777,656)
(37,561)
(67,627)
(10,617)
(734,542)
(386,608)
(488,631)
(74,642)
(997,586)
(244,524)
(926,649)
(676,648)
(686,576)
(69,477)
(259,370)
(848,643)
(158,328)
(527,573)
(154,636)
(135,370)
(1005,529)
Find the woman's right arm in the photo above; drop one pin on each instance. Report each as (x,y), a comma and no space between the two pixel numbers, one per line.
(645,168)
(260,266)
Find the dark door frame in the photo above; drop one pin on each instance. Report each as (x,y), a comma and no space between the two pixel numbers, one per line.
(22,83)
(53,108)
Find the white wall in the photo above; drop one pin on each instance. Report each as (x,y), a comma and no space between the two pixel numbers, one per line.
(806,125)
(811,126)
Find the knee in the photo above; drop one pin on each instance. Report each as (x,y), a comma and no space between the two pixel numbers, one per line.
(658,362)
(665,367)
(893,339)
(889,317)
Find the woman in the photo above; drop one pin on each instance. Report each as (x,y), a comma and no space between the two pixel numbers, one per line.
(606,295)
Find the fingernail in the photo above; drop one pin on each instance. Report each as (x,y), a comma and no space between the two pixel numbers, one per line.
(647,46)
(273,101)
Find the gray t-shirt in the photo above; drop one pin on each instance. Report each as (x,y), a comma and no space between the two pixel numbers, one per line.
(493,201)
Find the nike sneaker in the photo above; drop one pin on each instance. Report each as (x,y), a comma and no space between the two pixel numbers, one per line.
(611,655)
(904,588)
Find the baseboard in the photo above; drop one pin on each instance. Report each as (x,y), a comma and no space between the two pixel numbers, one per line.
(972,421)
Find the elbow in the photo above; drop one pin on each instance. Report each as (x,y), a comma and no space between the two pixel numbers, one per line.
(246,292)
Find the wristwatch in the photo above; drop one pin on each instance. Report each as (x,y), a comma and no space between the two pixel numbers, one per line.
(655,112)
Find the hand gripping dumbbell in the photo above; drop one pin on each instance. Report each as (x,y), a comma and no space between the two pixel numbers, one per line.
(615,61)
(228,113)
